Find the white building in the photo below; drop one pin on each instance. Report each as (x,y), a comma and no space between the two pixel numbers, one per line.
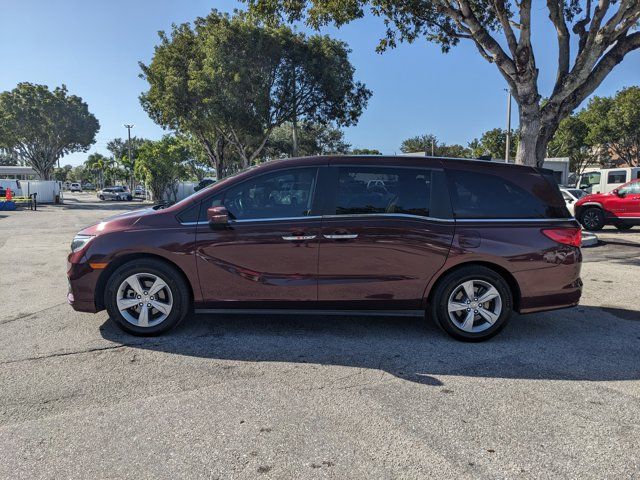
(18,173)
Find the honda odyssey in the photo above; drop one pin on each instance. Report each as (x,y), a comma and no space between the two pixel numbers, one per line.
(464,241)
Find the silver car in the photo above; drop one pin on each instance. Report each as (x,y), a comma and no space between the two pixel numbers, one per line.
(114,193)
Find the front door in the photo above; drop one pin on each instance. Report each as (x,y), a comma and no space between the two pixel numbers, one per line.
(627,203)
(384,236)
(269,252)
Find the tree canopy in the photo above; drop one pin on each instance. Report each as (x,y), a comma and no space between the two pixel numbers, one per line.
(161,164)
(592,38)
(40,126)
(229,81)
(430,144)
(493,143)
(314,139)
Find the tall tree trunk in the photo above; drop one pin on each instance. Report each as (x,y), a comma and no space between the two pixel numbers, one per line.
(532,144)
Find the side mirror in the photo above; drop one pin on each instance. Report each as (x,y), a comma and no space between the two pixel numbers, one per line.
(619,193)
(218,217)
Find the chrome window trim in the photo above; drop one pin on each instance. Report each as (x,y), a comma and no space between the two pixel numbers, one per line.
(396,215)
(513,220)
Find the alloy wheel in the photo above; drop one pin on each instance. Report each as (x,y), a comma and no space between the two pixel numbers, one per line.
(590,219)
(144,300)
(474,306)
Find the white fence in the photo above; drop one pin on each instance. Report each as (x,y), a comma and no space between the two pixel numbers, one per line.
(48,190)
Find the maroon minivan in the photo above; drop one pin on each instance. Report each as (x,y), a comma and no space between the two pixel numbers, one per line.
(465,241)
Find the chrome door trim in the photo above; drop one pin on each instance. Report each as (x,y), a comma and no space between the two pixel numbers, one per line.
(343,236)
(298,238)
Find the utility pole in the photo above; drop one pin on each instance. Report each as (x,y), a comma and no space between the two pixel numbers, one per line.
(129,127)
(508,142)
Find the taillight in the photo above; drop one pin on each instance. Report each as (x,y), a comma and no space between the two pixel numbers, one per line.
(566,236)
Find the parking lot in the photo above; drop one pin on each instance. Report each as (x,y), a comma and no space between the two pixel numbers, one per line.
(556,395)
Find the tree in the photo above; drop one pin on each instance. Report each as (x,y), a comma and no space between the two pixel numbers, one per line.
(8,158)
(119,148)
(41,126)
(430,145)
(614,125)
(229,81)
(101,166)
(161,164)
(313,139)
(570,140)
(420,143)
(365,151)
(493,143)
(599,33)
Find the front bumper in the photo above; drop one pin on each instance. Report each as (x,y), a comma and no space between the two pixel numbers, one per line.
(82,284)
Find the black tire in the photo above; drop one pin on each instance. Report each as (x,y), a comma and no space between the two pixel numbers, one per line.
(623,226)
(174,282)
(592,219)
(451,283)
(129,198)
(101,197)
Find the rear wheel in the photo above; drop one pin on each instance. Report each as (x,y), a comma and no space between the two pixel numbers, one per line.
(101,197)
(146,297)
(592,218)
(472,303)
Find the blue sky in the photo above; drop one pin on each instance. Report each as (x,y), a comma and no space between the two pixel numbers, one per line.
(94,48)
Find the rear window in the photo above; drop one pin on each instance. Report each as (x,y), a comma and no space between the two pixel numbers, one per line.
(516,194)
(363,190)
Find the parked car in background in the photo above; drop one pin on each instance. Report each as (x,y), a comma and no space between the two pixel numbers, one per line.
(571,196)
(205,182)
(139,191)
(88,186)
(75,187)
(620,208)
(114,193)
(606,180)
(466,241)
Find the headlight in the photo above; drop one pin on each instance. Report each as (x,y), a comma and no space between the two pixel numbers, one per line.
(79,241)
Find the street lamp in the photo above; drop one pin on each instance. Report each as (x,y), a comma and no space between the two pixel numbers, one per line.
(129,127)
(508,142)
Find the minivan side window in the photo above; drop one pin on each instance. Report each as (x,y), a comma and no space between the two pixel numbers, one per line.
(282,194)
(484,195)
(617,176)
(376,190)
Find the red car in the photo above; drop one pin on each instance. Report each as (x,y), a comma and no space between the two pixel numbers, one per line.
(620,208)
(465,241)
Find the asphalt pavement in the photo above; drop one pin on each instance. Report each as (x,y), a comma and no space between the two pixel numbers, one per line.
(555,395)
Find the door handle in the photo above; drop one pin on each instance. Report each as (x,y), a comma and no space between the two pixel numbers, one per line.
(341,236)
(298,238)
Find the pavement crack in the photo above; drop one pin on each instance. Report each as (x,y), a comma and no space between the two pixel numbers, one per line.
(26,315)
(64,354)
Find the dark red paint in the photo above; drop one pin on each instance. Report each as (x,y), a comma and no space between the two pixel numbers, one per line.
(393,263)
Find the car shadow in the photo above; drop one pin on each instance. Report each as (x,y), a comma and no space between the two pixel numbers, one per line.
(584,343)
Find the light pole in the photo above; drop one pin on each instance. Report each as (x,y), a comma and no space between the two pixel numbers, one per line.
(508,142)
(129,127)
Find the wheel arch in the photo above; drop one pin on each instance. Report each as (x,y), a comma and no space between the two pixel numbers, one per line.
(121,260)
(514,287)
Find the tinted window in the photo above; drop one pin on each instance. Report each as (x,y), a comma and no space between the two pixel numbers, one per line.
(287,193)
(373,190)
(618,176)
(521,195)
(631,188)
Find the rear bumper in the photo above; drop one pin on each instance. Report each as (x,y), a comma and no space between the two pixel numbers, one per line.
(549,288)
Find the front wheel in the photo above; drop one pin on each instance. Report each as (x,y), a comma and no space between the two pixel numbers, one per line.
(101,197)
(146,297)
(592,219)
(472,303)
